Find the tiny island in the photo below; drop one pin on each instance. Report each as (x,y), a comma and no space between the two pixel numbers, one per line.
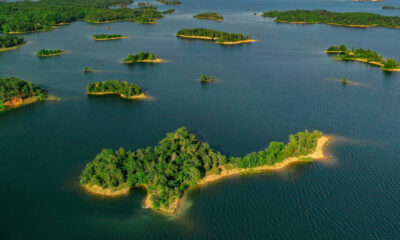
(15,92)
(366,56)
(106,37)
(350,19)
(9,42)
(169,11)
(87,70)
(390,8)
(207,79)
(49,52)
(143,57)
(214,35)
(115,87)
(168,170)
(172,2)
(210,16)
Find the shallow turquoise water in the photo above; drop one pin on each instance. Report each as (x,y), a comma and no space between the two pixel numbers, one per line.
(265,91)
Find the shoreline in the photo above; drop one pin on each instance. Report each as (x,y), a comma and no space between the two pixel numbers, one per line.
(106,192)
(11,48)
(238,42)
(370,62)
(19,102)
(141,96)
(205,18)
(215,39)
(123,20)
(106,39)
(54,54)
(339,25)
(157,60)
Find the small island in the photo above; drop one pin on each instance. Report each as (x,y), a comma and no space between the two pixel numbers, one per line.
(210,16)
(105,37)
(390,8)
(350,19)
(143,57)
(214,35)
(87,70)
(16,93)
(207,79)
(49,52)
(181,161)
(366,56)
(9,42)
(115,87)
(166,2)
(169,11)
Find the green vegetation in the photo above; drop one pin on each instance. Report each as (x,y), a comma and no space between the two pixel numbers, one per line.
(13,91)
(9,41)
(87,70)
(43,15)
(218,36)
(207,79)
(49,52)
(141,57)
(390,8)
(344,81)
(107,36)
(356,19)
(367,56)
(210,15)
(125,89)
(143,4)
(168,11)
(180,160)
(166,2)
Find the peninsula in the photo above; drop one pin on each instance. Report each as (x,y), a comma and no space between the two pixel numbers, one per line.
(143,57)
(166,2)
(181,161)
(115,87)
(350,19)
(105,37)
(366,56)
(210,16)
(9,42)
(214,35)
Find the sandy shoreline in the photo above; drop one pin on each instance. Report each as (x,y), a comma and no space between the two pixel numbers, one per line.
(11,48)
(55,54)
(214,39)
(372,63)
(139,97)
(107,192)
(206,18)
(158,60)
(106,39)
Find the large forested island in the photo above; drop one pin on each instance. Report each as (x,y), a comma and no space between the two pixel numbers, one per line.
(49,52)
(105,37)
(15,93)
(9,42)
(44,15)
(210,15)
(181,160)
(115,87)
(143,57)
(350,19)
(361,55)
(218,36)
(172,2)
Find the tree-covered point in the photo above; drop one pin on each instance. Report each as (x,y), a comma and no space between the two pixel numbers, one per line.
(27,16)
(180,160)
(207,79)
(345,19)
(390,8)
(124,88)
(337,49)
(168,11)
(49,52)
(16,88)
(209,15)
(107,36)
(9,41)
(166,2)
(219,36)
(140,57)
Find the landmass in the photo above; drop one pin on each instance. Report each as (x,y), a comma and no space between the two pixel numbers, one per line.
(366,56)
(105,37)
(181,161)
(210,16)
(169,11)
(350,19)
(166,2)
(143,57)
(49,52)
(207,79)
(390,8)
(15,92)
(87,70)
(115,87)
(214,35)
(143,4)
(9,42)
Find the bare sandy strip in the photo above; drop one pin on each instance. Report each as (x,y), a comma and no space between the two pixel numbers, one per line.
(158,60)
(11,48)
(106,39)
(141,96)
(238,42)
(107,192)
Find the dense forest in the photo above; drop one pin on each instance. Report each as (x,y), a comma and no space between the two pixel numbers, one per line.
(17,88)
(179,161)
(209,15)
(140,57)
(107,36)
(49,52)
(166,2)
(26,16)
(323,16)
(337,49)
(219,36)
(9,41)
(126,89)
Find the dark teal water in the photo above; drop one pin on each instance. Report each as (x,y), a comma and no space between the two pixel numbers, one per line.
(265,91)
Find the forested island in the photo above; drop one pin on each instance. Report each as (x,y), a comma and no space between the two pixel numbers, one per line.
(350,19)
(207,79)
(15,93)
(366,56)
(218,36)
(105,37)
(44,15)
(169,11)
(115,87)
(166,2)
(9,42)
(210,16)
(143,57)
(49,52)
(390,8)
(181,160)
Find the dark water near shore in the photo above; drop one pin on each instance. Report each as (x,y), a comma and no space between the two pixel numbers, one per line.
(265,91)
